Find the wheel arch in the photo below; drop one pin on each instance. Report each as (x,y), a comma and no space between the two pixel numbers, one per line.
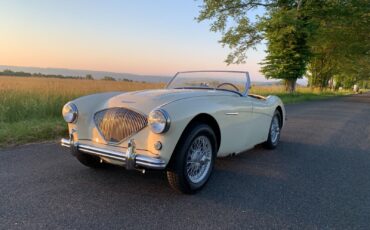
(204,118)
(278,108)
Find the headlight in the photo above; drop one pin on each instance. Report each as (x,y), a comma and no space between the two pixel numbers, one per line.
(70,112)
(159,121)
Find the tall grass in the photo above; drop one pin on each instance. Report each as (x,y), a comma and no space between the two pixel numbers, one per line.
(30,108)
(39,98)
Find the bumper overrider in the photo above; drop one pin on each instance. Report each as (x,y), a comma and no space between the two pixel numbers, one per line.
(130,159)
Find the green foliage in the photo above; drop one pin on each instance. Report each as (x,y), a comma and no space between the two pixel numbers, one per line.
(327,37)
(128,80)
(19,106)
(340,44)
(283,26)
(31,131)
(89,77)
(242,34)
(108,78)
(11,73)
(30,116)
(8,72)
(30,107)
(286,29)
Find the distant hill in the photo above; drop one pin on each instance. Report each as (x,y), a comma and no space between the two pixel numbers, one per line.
(118,76)
(83,73)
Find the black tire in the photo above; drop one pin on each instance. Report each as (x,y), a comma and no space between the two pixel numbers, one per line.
(272,142)
(87,160)
(177,174)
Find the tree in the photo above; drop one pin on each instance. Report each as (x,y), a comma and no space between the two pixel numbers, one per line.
(283,25)
(326,37)
(243,34)
(108,78)
(89,77)
(286,29)
(341,43)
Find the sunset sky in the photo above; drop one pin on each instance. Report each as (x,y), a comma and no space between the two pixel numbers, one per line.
(142,37)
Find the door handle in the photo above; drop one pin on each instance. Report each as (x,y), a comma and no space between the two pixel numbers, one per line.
(233,113)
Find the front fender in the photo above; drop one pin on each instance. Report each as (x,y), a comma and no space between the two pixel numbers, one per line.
(182,112)
(87,105)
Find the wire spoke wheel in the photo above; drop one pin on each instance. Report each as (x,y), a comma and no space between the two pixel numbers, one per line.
(194,158)
(198,160)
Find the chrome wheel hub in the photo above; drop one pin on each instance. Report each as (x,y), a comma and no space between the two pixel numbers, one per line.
(275,129)
(198,161)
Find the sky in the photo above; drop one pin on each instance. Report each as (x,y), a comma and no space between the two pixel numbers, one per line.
(142,37)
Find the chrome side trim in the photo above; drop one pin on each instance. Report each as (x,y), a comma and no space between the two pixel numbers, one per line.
(232,113)
(130,158)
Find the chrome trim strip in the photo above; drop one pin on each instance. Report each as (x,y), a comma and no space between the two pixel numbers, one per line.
(65,143)
(232,114)
(100,152)
(137,159)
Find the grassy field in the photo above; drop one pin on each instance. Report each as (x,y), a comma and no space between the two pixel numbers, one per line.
(30,108)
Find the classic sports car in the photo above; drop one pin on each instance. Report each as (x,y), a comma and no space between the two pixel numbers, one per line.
(199,116)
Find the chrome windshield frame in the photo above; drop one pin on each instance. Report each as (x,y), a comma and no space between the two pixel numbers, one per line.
(247,84)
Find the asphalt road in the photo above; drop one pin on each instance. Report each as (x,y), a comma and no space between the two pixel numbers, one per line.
(318,177)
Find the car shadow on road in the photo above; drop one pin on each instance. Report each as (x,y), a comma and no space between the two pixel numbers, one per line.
(257,175)
(229,172)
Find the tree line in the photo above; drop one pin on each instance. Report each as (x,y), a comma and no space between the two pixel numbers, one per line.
(328,41)
(8,72)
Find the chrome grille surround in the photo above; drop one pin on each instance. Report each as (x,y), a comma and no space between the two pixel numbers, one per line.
(118,124)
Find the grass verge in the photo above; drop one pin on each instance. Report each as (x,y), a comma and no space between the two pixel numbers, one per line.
(28,131)
(302,97)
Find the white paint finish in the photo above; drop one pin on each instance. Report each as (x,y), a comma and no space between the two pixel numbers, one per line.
(246,125)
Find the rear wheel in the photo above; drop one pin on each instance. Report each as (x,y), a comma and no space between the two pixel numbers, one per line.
(274,133)
(193,160)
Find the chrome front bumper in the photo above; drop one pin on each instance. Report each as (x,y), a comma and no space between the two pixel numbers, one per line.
(130,159)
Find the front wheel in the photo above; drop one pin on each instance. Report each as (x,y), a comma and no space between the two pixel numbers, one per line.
(193,160)
(274,132)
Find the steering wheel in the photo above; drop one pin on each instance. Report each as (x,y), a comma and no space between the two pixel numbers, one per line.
(230,84)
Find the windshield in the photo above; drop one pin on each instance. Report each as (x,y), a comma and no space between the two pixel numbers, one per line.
(222,80)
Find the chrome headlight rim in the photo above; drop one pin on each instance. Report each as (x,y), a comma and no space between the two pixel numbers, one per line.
(71,110)
(166,118)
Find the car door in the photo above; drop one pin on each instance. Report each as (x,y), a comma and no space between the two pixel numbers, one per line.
(261,119)
(250,134)
(236,125)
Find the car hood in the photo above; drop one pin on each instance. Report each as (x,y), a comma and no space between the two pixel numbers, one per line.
(146,100)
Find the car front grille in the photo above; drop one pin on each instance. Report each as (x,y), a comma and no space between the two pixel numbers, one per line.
(117,124)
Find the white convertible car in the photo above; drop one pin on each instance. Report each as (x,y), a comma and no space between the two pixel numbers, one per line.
(199,116)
